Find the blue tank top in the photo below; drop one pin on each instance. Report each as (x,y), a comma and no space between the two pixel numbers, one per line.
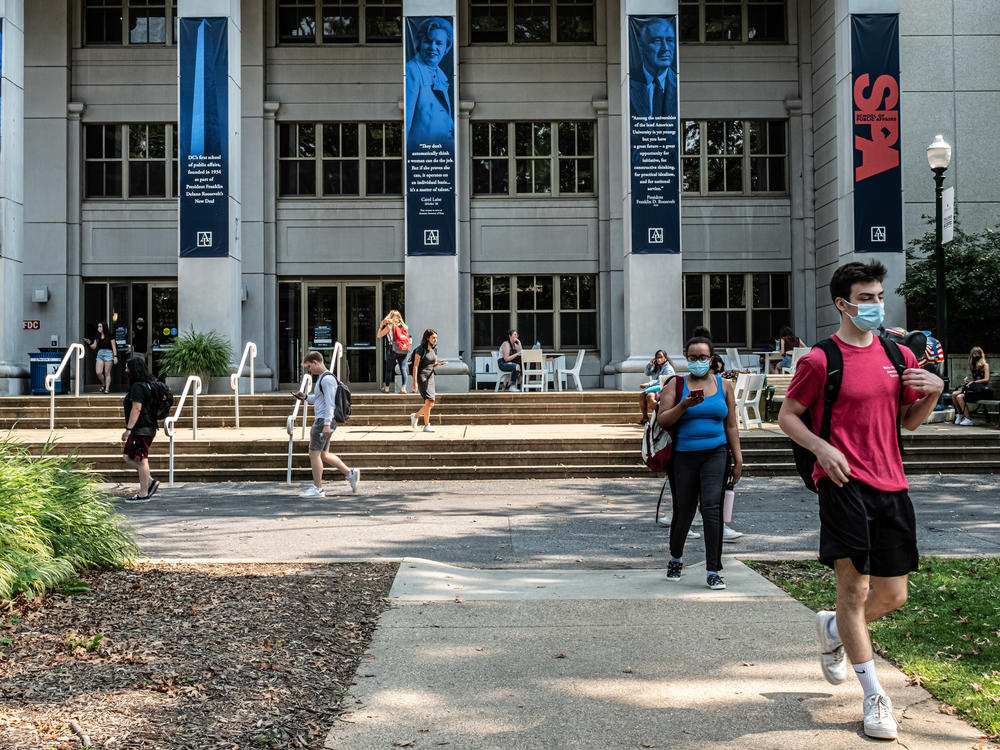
(702,427)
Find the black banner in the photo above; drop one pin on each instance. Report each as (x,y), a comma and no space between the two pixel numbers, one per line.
(653,135)
(204,137)
(429,96)
(878,180)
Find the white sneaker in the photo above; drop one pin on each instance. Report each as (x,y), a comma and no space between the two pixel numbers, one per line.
(513,389)
(966,422)
(958,419)
(693,534)
(353,477)
(313,491)
(428,428)
(664,520)
(832,657)
(729,534)
(879,721)
(413,420)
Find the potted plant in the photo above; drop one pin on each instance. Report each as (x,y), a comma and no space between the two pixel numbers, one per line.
(207,355)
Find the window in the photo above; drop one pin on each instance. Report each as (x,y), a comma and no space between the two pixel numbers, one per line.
(343,21)
(734,156)
(541,150)
(129,22)
(732,21)
(559,312)
(740,309)
(138,160)
(531,21)
(352,159)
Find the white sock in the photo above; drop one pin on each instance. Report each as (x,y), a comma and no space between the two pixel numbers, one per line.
(831,629)
(868,678)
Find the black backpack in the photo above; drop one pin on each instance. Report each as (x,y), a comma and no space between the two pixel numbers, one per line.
(161,399)
(805,460)
(341,400)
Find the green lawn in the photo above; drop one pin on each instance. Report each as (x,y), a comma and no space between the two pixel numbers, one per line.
(946,637)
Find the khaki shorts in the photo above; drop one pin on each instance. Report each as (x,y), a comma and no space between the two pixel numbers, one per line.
(317,442)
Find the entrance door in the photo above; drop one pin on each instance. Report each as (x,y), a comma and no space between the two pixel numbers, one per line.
(361,346)
(322,318)
(162,320)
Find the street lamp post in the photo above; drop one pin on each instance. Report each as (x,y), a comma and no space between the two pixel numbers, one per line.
(939,156)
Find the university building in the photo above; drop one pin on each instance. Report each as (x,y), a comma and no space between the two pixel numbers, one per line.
(89,179)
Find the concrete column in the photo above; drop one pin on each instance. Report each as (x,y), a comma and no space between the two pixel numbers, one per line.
(652,282)
(463,188)
(210,290)
(432,281)
(13,358)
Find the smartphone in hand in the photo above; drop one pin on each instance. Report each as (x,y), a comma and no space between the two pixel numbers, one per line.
(698,394)
(299,395)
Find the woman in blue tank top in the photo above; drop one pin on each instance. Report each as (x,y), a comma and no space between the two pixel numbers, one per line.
(707,430)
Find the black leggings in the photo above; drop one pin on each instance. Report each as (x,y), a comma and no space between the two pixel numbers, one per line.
(694,474)
(391,360)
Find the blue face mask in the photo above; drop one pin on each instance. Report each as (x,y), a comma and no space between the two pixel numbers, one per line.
(699,369)
(869,317)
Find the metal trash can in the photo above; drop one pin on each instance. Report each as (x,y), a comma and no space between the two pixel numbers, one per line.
(44,362)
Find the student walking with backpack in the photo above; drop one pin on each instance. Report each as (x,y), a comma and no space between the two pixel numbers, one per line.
(324,400)
(398,344)
(425,361)
(859,390)
(141,405)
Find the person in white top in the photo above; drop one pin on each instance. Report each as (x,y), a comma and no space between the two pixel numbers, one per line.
(323,400)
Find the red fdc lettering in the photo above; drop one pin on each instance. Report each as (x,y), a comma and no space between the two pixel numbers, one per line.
(877,110)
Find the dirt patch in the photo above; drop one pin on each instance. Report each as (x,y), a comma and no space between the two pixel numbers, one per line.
(189,657)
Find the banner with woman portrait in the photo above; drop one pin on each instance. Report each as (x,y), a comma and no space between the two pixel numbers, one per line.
(654,162)
(430,98)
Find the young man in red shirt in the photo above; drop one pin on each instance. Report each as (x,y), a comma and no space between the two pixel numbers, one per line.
(867,525)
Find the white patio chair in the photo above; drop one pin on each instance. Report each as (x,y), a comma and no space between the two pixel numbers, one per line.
(574,371)
(533,375)
(503,378)
(797,352)
(740,386)
(749,401)
(732,359)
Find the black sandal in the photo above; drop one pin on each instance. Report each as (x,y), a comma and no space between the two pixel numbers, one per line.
(136,498)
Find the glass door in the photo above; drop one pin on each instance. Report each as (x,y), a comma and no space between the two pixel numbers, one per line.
(121,304)
(162,319)
(361,346)
(322,320)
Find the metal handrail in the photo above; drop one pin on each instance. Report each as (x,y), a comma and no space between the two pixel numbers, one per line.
(234,379)
(50,380)
(305,386)
(338,354)
(169,422)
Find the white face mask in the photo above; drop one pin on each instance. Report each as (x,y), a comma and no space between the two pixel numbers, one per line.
(869,317)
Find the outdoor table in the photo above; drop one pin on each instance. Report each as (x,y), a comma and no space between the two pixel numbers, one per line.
(768,358)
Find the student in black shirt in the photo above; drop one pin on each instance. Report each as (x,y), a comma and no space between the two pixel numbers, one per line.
(140,427)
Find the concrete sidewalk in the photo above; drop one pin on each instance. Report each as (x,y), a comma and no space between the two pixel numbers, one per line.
(594,659)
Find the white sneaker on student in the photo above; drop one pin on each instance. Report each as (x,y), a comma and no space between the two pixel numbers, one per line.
(413,420)
(313,491)
(966,422)
(832,657)
(693,534)
(353,477)
(729,534)
(879,721)
(513,389)
(428,428)
(664,520)
(958,419)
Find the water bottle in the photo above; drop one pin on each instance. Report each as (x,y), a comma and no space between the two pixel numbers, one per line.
(727,503)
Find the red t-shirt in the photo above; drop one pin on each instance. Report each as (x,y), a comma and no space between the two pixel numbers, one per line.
(863,426)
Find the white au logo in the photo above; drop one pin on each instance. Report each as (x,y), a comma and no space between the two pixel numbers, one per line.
(432,237)
(656,235)
(878,234)
(204,239)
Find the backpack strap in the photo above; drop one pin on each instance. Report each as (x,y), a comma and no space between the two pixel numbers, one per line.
(895,355)
(831,386)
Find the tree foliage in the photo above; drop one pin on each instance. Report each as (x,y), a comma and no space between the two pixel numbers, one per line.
(972,286)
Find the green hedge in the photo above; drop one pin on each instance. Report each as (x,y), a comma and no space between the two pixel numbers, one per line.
(53,522)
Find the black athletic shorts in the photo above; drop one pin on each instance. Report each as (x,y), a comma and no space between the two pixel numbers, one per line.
(876,529)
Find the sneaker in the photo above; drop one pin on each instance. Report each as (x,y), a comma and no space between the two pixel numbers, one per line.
(958,419)
(413,420)
(715,582)
(966,422)
(729,534)
(513,389)
(153,487)
(693,534)
(353,477)
(428,428)
(879,721)
(136,499)
(664,520)
(832,657)
(313,491)
(674,569)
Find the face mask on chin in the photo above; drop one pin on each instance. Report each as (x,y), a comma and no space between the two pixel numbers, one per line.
(869,317)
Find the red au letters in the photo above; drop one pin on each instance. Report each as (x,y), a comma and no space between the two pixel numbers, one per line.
(879,110)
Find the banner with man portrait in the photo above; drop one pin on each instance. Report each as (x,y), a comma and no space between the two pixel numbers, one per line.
(429,97)
(878,177)
(654,156)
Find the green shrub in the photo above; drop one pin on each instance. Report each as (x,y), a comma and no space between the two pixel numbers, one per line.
(53,522)
(204,354)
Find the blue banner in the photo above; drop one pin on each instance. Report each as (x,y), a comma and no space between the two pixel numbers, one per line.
(429,97)
(204,137)
(878,178)
(654,134)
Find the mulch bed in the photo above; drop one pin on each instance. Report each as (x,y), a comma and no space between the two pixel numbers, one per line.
(189,657)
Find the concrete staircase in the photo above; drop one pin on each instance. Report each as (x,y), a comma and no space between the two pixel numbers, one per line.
(481,436)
